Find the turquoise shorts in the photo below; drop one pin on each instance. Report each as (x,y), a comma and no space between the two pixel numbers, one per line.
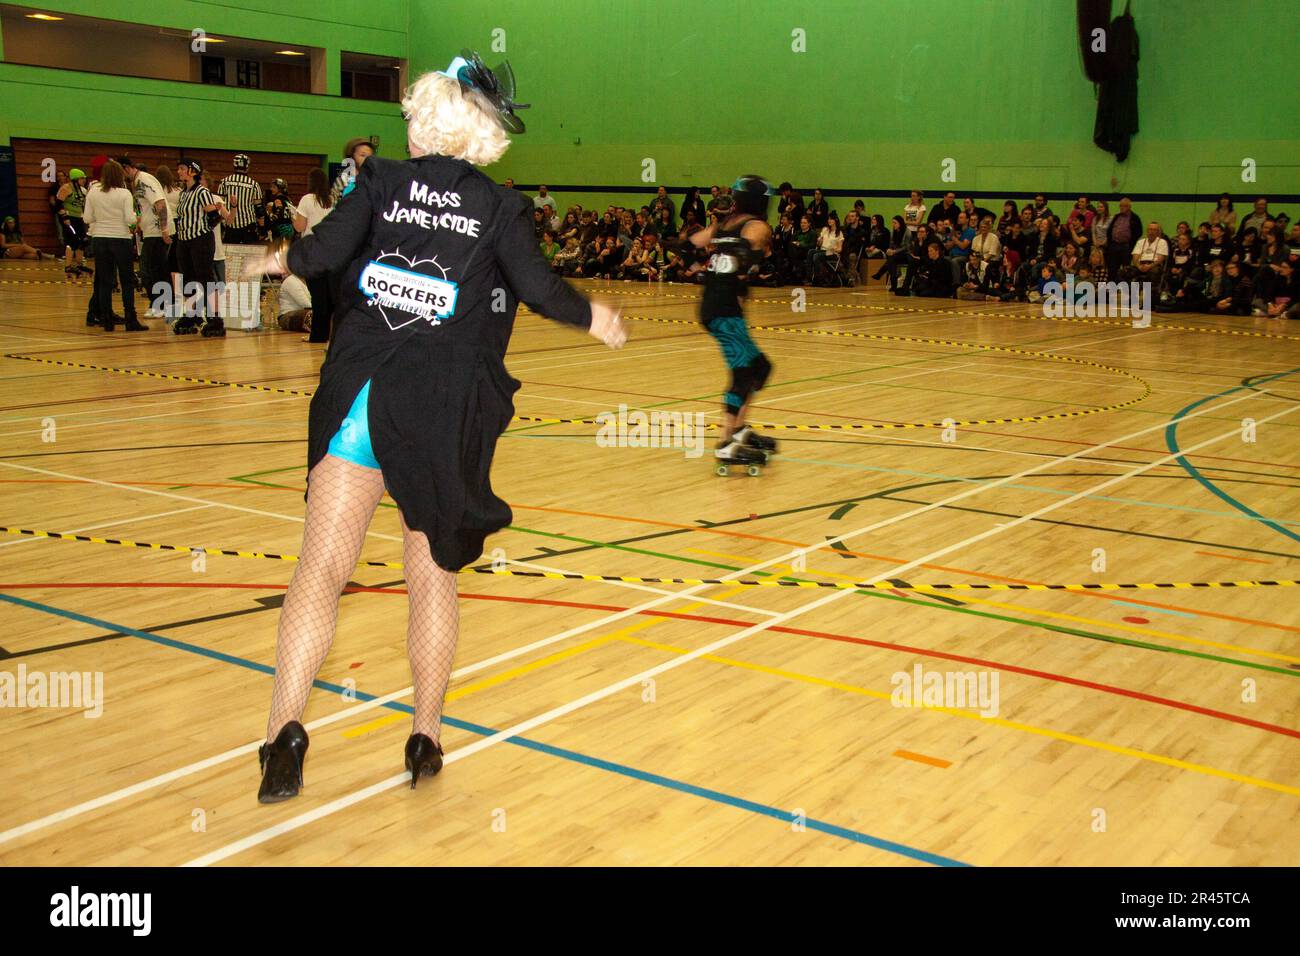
(352,441)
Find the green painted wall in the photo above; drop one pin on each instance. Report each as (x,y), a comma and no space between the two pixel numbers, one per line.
(65,104)
(884,92)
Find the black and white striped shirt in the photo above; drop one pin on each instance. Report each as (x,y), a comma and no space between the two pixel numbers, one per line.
(242,195)
(191,220)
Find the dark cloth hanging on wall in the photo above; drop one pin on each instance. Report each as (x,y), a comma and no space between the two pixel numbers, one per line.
(1093,15)
(1117,105)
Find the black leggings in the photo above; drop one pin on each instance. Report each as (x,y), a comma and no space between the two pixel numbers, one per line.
(113,261)
(322,306)
(195,264)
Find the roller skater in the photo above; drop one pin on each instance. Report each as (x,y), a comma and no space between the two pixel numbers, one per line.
(740,237)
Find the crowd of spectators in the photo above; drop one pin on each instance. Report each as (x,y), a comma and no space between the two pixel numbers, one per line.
(1225,264)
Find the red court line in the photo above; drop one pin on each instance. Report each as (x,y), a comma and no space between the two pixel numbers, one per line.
(729,622)
(1129,599)
(1215,554)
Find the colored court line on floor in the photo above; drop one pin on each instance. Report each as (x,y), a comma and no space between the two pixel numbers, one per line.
(1149,605)
(716,530)
(784,582)
(1231,557)
(1039,612)
(1171,441)
(978,348)
(995,721)
(732,622)
(715,796)
(502,677)
(876,591)
(922,758)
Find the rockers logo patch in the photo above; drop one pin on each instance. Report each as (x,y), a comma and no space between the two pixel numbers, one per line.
(403,295)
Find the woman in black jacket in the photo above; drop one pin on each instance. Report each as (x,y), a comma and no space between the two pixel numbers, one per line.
(878,238)
(693,203)
(414,393)
(818,211)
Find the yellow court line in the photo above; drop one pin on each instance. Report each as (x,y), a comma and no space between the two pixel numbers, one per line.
(1037,612)
(508,675)
(997,721)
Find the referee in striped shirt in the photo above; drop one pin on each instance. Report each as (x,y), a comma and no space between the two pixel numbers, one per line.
(243,195)
(195,248)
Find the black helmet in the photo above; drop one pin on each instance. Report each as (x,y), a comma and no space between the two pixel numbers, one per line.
(751,193)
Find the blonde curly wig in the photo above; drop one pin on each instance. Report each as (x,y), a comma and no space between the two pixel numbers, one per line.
(444,118)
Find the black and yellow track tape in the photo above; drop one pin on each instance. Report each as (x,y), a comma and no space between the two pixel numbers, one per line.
(167,376)
(777,426)
(639,579)
(948,313)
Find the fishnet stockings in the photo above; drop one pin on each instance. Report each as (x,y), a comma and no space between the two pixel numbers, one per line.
(432,629)
(341,501)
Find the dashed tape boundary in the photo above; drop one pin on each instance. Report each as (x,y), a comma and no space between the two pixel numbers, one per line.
(639,579)
(776,426)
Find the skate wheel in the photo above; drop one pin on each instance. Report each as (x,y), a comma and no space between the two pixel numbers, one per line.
(753,471)
(720,471)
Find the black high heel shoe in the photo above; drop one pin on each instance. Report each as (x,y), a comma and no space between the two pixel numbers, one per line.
(281,764)
(423,757)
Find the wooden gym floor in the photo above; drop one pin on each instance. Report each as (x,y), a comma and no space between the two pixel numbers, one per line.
(649,723)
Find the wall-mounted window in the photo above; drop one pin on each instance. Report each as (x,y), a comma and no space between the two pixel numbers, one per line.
(368,77)
(93,45)
(248,73)
(212,69)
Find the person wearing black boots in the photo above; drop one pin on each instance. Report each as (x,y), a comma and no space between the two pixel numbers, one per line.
(414,392)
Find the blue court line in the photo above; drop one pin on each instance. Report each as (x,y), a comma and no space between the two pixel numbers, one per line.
(1171,442)
(879,843)
(1156,610)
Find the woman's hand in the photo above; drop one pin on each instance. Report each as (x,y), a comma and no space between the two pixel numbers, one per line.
(607,326)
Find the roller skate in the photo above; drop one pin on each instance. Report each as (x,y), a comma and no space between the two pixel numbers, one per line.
(185,325)
(213,328)
(735,454)
(747,436)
